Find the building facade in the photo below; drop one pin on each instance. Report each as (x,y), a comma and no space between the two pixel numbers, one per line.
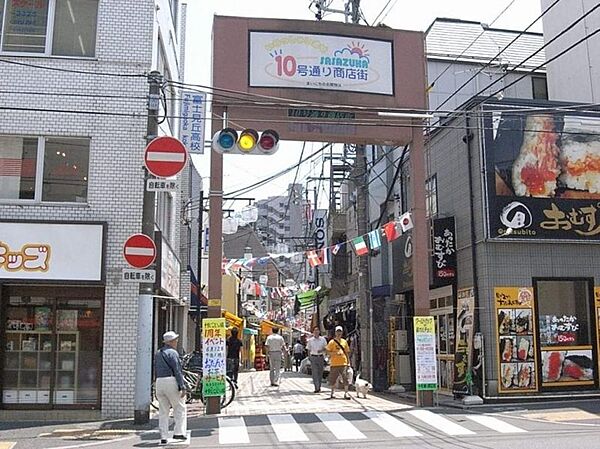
(73,129)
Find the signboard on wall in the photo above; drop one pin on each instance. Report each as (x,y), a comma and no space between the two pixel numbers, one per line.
(543,175)
(52,251)
(516,339)
(443,256)
(425,357)
(320,61)
(465,308)
(192,122)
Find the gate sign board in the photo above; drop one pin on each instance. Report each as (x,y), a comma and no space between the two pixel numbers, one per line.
(165,157)
(139,251)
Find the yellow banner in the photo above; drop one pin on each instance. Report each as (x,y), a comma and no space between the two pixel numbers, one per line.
(514,297)
(597,296)
(424,324)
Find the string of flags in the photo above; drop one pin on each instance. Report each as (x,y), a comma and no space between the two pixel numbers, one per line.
(361,245)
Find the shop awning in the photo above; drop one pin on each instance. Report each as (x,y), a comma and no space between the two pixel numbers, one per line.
(248,331)
(232,319)
(266,326)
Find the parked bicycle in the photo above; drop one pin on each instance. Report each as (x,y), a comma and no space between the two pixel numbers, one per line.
(192,376)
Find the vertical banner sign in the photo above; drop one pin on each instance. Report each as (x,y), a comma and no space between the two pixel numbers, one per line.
(320,227)
(425,359)
(597,309)
(193,120)
(444,252)
(465,306)
(213,356)
(516,339)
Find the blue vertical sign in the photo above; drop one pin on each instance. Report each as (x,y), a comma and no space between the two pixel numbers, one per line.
(193,120)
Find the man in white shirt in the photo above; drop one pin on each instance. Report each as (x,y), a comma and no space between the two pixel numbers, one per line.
(316,348)
(275,346)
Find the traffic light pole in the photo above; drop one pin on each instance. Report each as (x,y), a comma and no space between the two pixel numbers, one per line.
(143,365)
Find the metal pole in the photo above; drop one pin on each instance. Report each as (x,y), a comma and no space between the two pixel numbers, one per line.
(143,366)
(198,337)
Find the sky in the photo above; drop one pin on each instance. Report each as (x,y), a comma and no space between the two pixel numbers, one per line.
(240,171)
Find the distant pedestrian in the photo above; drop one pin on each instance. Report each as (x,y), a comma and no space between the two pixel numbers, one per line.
(234,346)
(275,346)
(316,346)
(170,389)
(339,353)
(298,354)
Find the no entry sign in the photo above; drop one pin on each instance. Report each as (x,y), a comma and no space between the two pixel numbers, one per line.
(165,157)
(139,251)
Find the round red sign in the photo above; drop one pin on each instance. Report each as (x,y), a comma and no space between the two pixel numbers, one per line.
(139,251)
(165,157)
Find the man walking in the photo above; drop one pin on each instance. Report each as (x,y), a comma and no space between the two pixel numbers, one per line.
(275,346)
(170,389)
(316,346)
(339,353)
(298,354)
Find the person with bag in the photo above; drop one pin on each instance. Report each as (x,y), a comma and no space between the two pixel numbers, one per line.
(339,356)
(170,389)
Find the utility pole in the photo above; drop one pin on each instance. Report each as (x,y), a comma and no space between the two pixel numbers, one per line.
(198,337)
(143,365)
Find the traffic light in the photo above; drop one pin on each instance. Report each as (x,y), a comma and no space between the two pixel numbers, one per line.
(228,141)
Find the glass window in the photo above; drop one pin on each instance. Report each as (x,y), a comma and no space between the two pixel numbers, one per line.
(18,158)
(564,313)
(75,28)
(540,87)
(431,196)
(66,170)
(25,25)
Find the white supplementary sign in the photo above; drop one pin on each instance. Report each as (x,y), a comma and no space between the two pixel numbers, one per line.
(161,185)
(132,275)
(314,61)
(193,120)
(51,251)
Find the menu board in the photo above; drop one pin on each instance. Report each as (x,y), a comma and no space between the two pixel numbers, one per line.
(465,307)
(213,356)
(516,342)
(425,359)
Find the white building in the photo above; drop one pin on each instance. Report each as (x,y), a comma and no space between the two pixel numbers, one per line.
(73,125)
(574,76)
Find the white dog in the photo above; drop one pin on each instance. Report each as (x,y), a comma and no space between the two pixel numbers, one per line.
(362,387)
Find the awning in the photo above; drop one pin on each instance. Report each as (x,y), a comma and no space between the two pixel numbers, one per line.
(232,319)
(250,331)
(266,326)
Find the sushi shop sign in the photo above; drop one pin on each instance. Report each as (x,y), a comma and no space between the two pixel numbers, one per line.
(543,175)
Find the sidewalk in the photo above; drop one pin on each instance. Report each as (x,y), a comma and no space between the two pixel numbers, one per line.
(295,394)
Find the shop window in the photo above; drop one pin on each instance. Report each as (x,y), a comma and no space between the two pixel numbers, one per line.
(52,27)
(565,332)
(52,351)
(64,163)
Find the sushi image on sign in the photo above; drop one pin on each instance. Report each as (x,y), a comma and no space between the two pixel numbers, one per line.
(543,174)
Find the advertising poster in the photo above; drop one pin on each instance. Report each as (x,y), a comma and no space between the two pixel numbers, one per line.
(597,310)
(465,307)
(444,252)
(213,356)
(318,61)
(425,359)
(543,175)
(517,346)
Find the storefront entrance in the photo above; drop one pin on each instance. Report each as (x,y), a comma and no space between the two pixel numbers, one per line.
(51,353)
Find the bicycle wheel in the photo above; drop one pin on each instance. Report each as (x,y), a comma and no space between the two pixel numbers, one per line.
(229,393)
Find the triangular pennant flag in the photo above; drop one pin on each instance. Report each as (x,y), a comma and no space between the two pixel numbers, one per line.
(324,256)
(374,239)
(360,246)
(313,258)
(390,231)
(406,222)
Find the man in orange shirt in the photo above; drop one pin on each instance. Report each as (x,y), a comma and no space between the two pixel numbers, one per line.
(339,356)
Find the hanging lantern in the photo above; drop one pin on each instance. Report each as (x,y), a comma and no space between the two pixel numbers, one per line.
(250,213)
(230,225)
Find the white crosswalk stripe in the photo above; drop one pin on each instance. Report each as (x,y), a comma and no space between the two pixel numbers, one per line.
(392,425)
(233,431)
(495,424)
(440,423)
(286,428)
(340,427)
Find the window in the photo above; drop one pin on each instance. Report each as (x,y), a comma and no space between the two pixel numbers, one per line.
(52,27)
(540,87)
(45,169)
(431,196)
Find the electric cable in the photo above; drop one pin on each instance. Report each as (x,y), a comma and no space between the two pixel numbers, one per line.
(79,72)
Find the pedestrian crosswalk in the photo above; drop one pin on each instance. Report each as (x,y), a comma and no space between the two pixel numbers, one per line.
(346,426)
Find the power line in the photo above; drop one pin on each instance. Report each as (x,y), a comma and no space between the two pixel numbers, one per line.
(497,55)
(80,72)
(469,46)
